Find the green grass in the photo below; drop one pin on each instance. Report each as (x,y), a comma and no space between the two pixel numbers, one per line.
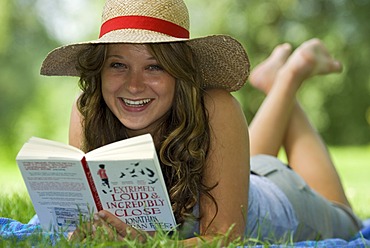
(353,164)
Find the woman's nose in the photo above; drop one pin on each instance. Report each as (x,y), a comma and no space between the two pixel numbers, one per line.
(135,82)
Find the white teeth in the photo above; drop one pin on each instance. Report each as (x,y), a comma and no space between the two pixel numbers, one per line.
(136,103)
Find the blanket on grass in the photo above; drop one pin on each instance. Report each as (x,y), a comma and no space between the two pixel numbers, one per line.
(12,229)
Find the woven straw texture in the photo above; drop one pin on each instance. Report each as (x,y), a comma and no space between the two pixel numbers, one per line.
(174,11)
(222,60)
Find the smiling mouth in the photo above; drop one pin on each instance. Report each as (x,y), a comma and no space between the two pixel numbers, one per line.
(137,103)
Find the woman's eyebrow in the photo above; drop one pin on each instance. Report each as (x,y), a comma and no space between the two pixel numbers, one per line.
(115,56)
(122,57)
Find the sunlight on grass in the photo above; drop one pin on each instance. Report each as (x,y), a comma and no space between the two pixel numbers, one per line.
(353,165)
(11,180)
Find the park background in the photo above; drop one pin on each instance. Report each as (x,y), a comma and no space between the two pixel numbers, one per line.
(339,105)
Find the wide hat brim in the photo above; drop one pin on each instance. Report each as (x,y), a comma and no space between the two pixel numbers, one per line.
(221,60)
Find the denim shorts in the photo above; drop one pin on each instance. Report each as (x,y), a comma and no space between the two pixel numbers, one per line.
(318,217)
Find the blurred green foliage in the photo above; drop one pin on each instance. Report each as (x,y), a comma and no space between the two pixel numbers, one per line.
(29,104)
(339,105)
(22,39)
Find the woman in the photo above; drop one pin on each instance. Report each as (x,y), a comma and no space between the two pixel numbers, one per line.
(144,75)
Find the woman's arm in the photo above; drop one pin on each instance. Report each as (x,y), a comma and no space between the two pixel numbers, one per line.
(75,127)
(228,167)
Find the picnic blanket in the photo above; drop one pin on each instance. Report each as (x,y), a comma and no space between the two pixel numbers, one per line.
(14,229)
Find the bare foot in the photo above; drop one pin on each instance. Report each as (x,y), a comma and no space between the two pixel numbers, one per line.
(310,59)
(263,76)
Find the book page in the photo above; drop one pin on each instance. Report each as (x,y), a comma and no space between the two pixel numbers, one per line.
(59,192)
(124,146)
(45,149)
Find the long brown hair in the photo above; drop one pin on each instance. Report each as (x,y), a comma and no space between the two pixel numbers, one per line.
(182,140)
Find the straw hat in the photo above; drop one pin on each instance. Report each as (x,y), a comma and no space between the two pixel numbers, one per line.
(222,61)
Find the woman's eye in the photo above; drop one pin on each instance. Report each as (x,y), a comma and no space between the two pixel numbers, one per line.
(155,68)
(117,65)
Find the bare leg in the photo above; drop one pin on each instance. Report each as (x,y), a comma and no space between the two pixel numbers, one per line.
(281,122)
(308,156)
(267,129)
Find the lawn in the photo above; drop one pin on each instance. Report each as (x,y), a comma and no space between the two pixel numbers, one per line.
(353,164)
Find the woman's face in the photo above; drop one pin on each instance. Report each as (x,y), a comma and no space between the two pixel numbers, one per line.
(136,88)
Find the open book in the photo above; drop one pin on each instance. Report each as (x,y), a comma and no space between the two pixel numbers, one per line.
(124,178)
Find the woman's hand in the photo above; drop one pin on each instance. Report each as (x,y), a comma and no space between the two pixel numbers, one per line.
(107,227)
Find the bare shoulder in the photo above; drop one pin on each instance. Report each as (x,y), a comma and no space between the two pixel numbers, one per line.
(220,99)
(226,119)
(229,127)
